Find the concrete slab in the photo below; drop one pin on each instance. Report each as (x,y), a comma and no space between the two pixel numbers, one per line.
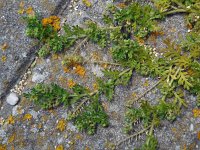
(20,49)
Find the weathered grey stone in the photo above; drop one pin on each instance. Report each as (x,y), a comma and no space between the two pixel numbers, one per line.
(21,49)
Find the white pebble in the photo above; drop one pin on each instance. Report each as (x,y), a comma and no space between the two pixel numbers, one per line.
(12,99)
(177,147)
(191,127)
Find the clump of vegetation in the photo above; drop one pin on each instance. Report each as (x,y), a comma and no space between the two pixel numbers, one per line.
(125,30)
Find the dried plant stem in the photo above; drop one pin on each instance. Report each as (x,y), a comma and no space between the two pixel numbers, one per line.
(104,62)
(80,44)
(133,136)
(142,95)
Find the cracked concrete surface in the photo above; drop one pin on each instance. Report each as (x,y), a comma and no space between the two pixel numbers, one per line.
(31,128)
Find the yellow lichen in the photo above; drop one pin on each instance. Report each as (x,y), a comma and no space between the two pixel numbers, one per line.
(21,11)
(11,138)
(134,95)
(196,112)
(61,125)
(30,11)
(10,120)
(78,137)
(21,4)
(87,3)
(27,117)
(146,83)
(105,65)
(3,58)
(95,86)
(21,8)
(80,70)
(59,147)
(71,83)
(55,56)
(66,69)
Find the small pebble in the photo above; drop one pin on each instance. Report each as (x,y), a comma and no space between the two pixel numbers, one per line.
(12,99)
(191,127)
(177,147)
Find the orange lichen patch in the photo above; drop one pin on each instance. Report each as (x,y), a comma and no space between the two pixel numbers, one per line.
(27,117)
(184,147)
(189,26)
(3,147)
(87,3)
(53,21)
(71,83)
(3,58)
(59,147)
(66,69)
(153,36)
(121,5)
(140,41)
(46,21)
(198,135)
(30,11)
(4,46)
(61,125)
(105,66)
(80,70)
(87,148)
(12,138)
(196,112)
(10,120)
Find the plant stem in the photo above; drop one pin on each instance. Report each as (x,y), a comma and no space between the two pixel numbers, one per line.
(84,101)
(132,136)
(104,62)
(80,44)
(176,11)
(133,101)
